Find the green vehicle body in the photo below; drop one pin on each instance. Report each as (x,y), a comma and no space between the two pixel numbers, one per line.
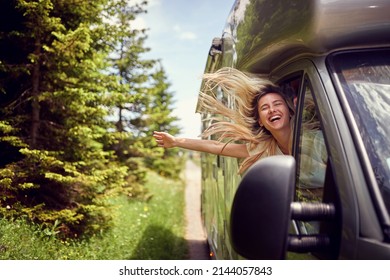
(306,42)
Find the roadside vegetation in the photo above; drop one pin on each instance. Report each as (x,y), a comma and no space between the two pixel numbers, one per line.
(79,104)
(149,228)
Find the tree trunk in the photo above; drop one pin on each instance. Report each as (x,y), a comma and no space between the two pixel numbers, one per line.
(35,113)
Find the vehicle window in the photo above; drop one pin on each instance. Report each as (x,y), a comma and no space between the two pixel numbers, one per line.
(312,155)
(290,86)
(365,80)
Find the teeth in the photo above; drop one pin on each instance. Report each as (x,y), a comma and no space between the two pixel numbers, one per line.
(275,118)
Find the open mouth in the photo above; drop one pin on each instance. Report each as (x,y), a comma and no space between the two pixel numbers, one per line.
(275,118)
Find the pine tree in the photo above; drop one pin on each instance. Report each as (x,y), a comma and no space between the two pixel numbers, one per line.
(161,104)
(65,67)
(159,117)
(141,102)
(61,172)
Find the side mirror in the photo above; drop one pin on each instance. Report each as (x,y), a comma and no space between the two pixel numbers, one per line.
(261,212)
(263,208)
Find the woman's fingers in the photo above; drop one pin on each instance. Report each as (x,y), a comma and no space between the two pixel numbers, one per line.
(159,136)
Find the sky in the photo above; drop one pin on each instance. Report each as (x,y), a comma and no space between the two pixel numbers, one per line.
(180,33)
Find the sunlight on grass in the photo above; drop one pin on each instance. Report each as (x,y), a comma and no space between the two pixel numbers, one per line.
(152,229)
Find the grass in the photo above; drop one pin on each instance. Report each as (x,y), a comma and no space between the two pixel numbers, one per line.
(143,230)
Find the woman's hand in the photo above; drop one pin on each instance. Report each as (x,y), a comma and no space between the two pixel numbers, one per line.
(164,139)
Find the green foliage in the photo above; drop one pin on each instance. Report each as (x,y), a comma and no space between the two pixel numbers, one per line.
(169,167)
(78,111)
(160,106)
(167,162)
(47,190)
(151,228)
(141,100)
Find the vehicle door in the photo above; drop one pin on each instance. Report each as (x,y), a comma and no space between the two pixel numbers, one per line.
(314,174)
(330,169)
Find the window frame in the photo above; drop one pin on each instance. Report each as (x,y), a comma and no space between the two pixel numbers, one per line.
(309,75)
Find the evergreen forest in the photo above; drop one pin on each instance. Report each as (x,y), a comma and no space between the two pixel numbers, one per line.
(78,106)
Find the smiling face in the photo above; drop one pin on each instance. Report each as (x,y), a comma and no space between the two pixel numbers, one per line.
(274,113)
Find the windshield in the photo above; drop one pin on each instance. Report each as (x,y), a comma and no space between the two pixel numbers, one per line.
(365,78)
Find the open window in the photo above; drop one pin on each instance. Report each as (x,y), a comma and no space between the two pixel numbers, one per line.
(313,154)
(314,174)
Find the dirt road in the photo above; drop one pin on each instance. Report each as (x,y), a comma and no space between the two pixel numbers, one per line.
(198,249)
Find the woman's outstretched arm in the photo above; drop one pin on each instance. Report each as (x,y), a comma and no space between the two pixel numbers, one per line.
(166,140)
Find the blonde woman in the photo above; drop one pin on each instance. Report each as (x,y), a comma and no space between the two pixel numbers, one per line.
(259,125)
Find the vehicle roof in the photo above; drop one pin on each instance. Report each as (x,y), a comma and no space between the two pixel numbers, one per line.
(266,33)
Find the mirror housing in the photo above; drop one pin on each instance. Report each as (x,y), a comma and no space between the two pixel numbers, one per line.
(261,212)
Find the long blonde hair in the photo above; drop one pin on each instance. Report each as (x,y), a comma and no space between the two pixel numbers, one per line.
(241,122)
